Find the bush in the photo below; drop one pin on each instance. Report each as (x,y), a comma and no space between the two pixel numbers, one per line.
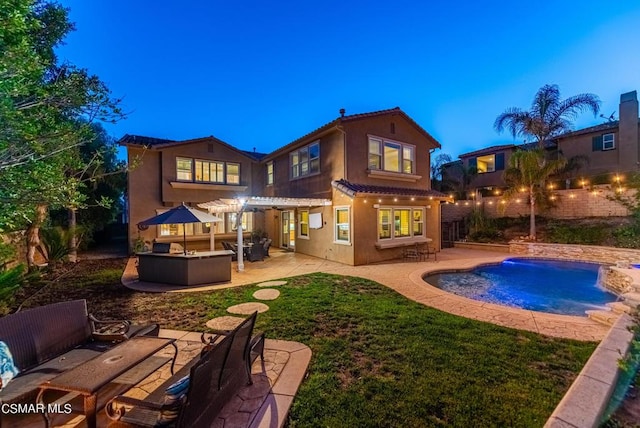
(577,234)
(10,281)
(485,236)
(627,236)
(55,241)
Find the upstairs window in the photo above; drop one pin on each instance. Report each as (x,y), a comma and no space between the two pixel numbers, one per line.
(209,172)
(233,173)
(305,160)
(206,171)
(269,173)
(184,169)
(488,163)
(604,142)
(391,156)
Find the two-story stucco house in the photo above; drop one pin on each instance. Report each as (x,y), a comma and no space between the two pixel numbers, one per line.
(355,190)
(609,148)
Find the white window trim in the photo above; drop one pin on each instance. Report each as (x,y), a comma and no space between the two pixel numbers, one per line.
(300,223)
(335,224)
(401,240)
(402,145)
(613,142)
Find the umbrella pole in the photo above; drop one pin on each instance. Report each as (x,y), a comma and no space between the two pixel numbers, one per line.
(184,237)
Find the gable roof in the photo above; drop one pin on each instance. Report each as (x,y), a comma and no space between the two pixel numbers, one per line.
(488,150)
(353,117)
(597,128)
(159,143)
(354,189)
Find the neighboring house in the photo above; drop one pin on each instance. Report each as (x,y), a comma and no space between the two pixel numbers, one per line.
(369,173)
(612,147)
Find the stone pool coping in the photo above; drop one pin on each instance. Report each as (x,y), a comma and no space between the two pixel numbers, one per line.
(586,400)
(564,326)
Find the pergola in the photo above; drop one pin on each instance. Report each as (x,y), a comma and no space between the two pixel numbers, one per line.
(240,205)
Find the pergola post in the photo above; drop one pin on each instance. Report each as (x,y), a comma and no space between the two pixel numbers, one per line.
(240,243)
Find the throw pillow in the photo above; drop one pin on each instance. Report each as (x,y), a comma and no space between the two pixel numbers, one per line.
(8,370)
(174,398)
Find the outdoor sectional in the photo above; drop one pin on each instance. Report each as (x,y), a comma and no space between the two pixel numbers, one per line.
(49,340)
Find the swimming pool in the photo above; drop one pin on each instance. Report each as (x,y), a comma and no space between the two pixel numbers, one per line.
(554,286)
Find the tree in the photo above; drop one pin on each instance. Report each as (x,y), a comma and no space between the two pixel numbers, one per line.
(41,102)
(527,173)
(101,181)
(437,165)
(549,115)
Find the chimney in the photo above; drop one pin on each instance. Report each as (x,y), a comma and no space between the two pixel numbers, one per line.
(342,112)
(629,152)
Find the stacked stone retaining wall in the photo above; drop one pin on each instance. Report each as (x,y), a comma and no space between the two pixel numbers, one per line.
(592,253)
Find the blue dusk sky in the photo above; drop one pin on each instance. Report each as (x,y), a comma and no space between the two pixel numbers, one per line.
(261,74)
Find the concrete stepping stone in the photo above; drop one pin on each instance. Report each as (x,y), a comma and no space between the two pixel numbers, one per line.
(271,283)
(248,308)
(266,294)
(224,323)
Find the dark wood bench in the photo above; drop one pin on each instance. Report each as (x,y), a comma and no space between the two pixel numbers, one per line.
(49,340)
(215,377)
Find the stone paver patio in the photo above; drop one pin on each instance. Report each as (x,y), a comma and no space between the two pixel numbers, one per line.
(406,279)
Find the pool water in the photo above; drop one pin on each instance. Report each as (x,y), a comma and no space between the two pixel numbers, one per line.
(553,286)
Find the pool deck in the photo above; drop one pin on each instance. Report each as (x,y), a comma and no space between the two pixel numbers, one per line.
(406,279)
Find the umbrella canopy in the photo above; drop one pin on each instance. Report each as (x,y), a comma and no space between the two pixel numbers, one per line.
(181,214)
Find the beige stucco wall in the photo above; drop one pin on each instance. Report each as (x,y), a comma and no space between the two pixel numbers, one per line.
(149,188)
(143,189)
(365,227)
(311,186)
(358,132)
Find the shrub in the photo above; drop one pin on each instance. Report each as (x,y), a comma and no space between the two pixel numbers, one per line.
(577,234)
(55,241)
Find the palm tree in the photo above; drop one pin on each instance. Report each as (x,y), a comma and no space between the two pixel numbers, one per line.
(527,173)
(549,115)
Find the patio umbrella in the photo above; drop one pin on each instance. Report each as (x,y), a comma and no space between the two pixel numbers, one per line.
(181,214)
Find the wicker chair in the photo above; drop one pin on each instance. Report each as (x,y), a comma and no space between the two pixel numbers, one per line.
(214,378)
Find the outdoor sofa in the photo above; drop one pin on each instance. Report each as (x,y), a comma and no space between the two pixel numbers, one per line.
(195,395)
(48,340)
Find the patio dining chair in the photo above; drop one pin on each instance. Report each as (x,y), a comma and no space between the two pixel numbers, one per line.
(228,246)
(410,253)
(425,250)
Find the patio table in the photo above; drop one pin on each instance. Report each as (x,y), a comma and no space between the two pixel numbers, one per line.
(87,379)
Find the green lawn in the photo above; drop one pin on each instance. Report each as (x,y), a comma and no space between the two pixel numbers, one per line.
(379,360)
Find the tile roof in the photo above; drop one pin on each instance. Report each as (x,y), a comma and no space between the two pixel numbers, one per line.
(151,142)
(342,119)
(143,141)
(354,189)
(597,128)
(488,150)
